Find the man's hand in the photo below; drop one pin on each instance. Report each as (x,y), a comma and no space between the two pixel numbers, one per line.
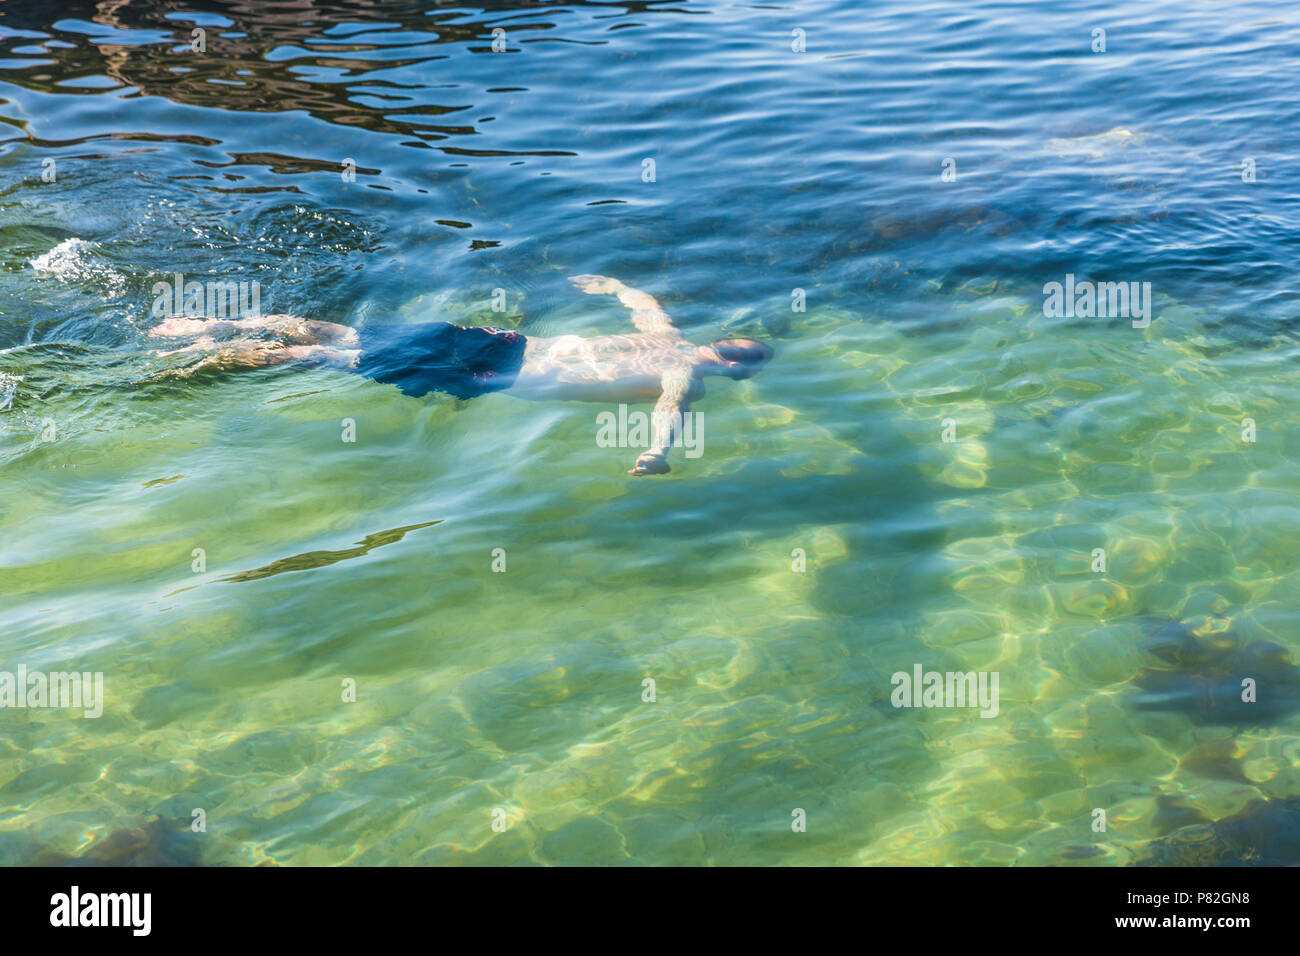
(597,285)
(651,463)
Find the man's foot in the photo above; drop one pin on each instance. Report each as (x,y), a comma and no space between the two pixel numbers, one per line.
(178,326)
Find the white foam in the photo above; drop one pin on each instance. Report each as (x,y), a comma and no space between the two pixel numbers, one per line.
(74,259)
(70,255)
(8,388)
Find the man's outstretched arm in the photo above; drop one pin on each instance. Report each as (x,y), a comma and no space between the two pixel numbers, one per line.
(679,389)
(647,315)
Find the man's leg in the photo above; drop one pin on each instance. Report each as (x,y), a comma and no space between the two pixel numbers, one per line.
(254,353)
(288,328)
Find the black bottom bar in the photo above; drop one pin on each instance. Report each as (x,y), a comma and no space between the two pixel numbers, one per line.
(334,906)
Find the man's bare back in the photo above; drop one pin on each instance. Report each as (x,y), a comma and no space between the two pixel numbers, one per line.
(656,363)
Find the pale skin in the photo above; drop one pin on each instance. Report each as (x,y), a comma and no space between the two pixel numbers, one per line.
(655,363)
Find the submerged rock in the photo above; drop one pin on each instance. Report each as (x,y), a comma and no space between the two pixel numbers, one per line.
(1097,145)
(157,842)
(1265,833)
(1217,683)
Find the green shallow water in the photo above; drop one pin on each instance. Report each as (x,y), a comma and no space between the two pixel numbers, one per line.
(522,690)
(828,536)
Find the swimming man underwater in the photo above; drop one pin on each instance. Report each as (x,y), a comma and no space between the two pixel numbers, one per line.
(655,363)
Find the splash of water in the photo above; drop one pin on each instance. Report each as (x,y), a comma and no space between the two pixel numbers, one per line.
(8,388)
(74,260)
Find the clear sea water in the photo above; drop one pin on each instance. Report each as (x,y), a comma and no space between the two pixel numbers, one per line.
(518,696)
